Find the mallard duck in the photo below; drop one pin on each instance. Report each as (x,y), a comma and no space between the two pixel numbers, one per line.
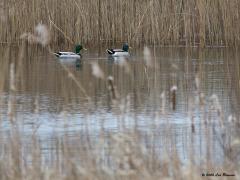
(119,52)
(70,55)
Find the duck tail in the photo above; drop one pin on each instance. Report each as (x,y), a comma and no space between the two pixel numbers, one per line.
(56,54)
(110,51)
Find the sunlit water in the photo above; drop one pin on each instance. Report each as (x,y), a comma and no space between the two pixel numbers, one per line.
(48,102)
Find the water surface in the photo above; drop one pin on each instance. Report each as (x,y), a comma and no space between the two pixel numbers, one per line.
(49,102)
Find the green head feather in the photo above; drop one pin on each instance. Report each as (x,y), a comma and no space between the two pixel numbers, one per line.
(125,47)
(78,48)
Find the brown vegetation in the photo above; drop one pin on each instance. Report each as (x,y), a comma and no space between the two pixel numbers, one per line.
(164,22)
(124,154)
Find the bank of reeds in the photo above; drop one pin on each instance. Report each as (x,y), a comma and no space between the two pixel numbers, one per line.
(164,22)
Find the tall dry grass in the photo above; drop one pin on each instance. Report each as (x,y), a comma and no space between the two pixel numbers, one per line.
(164,22)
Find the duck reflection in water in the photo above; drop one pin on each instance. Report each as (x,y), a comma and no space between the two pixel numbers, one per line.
(117,60)
(79,64)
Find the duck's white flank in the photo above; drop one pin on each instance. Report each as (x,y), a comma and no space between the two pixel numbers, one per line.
(66,55)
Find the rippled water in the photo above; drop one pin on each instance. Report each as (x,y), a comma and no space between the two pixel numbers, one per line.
(49,102)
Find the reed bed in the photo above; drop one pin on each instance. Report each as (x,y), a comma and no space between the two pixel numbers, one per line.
(165,22)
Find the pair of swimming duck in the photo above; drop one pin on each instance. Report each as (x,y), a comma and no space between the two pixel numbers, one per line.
(112,52)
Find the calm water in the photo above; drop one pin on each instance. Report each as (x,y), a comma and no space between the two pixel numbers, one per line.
(47,101)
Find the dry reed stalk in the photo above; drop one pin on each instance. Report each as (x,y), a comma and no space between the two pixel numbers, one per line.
(97,71)
(12,87)
(157,22)
(173,94)
(112,88)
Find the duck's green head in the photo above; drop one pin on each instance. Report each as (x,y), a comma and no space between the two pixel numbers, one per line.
(125,47)
(78,48)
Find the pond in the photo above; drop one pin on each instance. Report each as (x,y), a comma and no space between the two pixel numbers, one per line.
(177,102)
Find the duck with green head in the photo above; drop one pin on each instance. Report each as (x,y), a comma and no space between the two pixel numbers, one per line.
(70,55)
(119,52)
